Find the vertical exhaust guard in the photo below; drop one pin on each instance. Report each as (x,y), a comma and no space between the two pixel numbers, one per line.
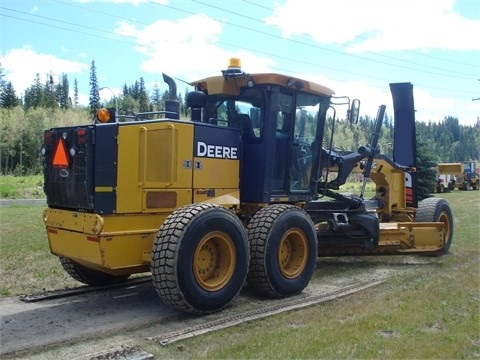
(405,138)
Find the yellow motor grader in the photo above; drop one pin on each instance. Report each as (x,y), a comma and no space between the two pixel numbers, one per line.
(246,190)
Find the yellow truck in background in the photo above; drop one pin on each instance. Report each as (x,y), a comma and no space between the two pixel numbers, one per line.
(462,176)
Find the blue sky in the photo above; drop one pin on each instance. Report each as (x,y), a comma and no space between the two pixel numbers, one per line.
(355,47)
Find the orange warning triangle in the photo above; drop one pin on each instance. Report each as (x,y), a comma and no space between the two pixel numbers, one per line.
(60,158)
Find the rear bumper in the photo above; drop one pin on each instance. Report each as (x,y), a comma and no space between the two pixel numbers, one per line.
(116,244)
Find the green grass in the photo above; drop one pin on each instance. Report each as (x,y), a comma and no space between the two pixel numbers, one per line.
(26,265)
(21,187)
(429,312)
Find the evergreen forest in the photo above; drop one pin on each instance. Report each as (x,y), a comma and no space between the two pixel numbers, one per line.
(23,120)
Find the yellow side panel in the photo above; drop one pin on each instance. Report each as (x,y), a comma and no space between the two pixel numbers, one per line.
(216,173)
(152,155)
(224,197)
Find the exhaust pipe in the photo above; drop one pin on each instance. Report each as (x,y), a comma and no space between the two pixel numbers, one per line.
(172,105)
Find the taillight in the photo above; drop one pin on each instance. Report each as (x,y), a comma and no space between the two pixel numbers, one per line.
(81,136)
(48,138)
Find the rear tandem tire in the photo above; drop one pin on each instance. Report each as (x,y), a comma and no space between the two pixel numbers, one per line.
(437,210)
(200,258)
(283,250)
(89,276)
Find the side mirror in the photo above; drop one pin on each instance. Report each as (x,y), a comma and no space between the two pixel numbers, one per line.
(354,111)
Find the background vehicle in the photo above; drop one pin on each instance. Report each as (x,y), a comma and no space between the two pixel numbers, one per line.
(462,176)
(248,189)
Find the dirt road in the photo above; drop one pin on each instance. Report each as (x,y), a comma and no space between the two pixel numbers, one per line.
(80,325)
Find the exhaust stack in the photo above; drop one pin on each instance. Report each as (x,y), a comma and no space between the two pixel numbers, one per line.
(172,105)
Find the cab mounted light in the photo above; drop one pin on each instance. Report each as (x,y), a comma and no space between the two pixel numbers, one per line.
(234,68)
(105,115)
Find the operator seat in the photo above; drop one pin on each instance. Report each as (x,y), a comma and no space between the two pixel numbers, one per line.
(244,123)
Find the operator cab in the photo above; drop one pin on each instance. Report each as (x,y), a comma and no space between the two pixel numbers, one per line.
(282,121)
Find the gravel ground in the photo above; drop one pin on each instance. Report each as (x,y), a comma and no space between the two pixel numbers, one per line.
(97,322)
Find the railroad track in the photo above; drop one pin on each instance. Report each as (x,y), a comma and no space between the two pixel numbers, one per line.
(56,294)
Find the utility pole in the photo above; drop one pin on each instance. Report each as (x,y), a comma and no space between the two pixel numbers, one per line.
(478,118)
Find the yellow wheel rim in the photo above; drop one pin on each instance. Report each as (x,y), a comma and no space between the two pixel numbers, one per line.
(292,253)
(446,225)
(214,261)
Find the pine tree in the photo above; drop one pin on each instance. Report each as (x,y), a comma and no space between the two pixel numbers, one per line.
(142,96)
(49,91)
(94,99)
(75,92)
(3,83)
(186,110)
(62,91)
(34,95)
(426,171)
(156,97)
(8,98)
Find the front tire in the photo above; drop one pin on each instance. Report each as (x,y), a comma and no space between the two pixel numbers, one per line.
(476,186)
(437,210)
(200,259)
(283,250)
(89,276)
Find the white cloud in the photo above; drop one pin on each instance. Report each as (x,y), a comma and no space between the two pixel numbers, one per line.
(186,48)
(432,108)
(22,65)
(378,25)
(427,106)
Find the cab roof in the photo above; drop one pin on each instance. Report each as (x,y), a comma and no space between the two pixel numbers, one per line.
(231,84)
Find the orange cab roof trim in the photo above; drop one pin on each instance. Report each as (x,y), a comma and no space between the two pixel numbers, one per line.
(231,85)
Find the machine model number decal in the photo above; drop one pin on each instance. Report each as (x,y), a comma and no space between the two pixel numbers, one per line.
(216,151)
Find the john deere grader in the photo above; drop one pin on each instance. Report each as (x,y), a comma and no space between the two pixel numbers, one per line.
(246,191)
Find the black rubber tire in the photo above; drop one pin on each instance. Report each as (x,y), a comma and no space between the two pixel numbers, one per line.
(476,186)
(466,185)
(89,276)
(451,185)
(269,231)
(195,234)
(437,210)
